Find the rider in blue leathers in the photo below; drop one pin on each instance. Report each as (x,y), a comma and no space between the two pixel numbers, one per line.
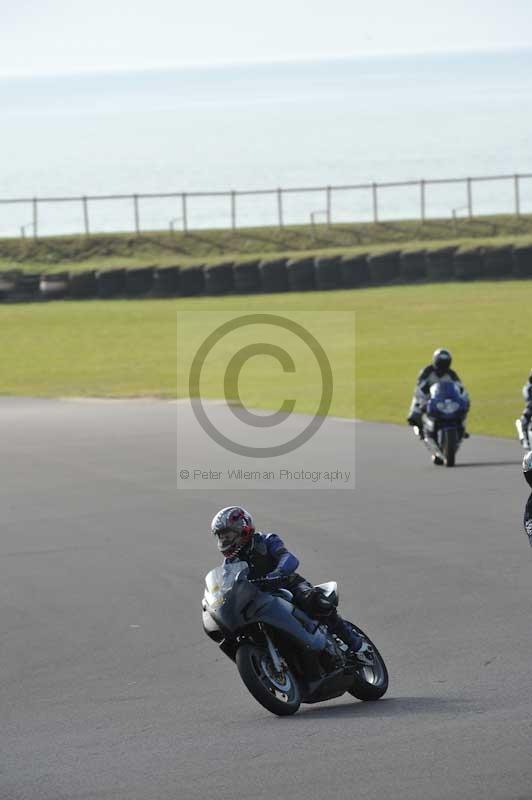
(274,566)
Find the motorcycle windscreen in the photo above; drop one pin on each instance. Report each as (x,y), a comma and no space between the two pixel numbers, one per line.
(219,581)
(445,400)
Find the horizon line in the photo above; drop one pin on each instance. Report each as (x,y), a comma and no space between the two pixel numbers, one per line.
(285,60)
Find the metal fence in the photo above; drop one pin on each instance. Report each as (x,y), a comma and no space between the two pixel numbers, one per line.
(326,196)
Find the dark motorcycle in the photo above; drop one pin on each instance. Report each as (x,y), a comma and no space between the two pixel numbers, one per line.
(284,656)
(443,421)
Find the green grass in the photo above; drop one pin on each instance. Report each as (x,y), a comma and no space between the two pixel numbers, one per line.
(72,253)
(128,348)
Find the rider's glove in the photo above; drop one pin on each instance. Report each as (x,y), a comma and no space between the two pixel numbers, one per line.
(273,580)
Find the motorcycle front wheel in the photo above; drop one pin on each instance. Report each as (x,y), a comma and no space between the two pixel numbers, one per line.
(276,691)
(369,682)
(449,446)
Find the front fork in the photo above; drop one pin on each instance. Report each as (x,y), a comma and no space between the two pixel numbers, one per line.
(272,650)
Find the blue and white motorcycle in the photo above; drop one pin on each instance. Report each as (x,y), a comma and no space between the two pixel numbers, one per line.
(443,421)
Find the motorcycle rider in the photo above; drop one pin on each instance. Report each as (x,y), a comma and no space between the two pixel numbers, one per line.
(526,415)
(273,566)
(439,369)
(527,471)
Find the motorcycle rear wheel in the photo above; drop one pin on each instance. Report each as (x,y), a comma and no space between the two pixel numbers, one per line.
(369,683)
(277,692)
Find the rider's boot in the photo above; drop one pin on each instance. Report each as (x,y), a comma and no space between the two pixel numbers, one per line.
(362,651)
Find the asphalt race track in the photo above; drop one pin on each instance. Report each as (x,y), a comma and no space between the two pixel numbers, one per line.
(109,688)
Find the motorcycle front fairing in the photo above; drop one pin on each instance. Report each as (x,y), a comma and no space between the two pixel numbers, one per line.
(447,402)
(234,603)
(446,408)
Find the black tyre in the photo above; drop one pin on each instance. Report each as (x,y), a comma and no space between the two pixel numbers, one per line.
(83,285)
(450,443)
(278,692)
(369,683)
(301,274)
(273,275)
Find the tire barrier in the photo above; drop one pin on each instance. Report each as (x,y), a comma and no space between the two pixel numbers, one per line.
(8,283)
(191,281)
(384,268)
(328,274)
(354,270)
(497,262)
(274,275)
(139,281)
(246,277)
(413,265)
(111,283)
(166,281)
(440,264)
(219,278)
(54,286)
(83,285)
(522,267)
(468,264)
(301,274)
(26,287)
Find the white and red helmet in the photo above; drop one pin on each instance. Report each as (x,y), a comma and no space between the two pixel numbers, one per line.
(233,527)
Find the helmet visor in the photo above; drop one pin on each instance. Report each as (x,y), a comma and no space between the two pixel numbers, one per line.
(227,539)
(441,365)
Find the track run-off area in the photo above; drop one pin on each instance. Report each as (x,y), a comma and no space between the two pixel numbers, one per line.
(110,689)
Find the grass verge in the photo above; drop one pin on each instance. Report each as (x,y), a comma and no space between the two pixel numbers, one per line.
(100,251)
(128,348)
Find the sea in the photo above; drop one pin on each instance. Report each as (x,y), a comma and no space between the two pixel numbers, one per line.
(337,123)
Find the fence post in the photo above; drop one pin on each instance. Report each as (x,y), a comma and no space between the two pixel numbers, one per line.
(86,216)
(136,210)
(328,205)
(280,207)
(184,211)
(233,209)
(517,198)
(422,199)
(35,219)
(469,199)
(375,203)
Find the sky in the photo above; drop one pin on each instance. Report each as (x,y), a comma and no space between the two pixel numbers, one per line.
(63,36)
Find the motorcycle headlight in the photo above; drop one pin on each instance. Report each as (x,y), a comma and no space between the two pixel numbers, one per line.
(448,406)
